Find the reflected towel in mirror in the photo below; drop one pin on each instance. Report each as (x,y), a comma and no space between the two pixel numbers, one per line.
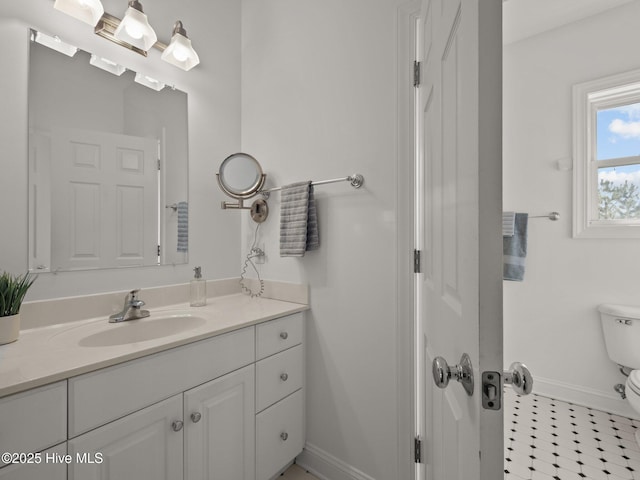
(183,227)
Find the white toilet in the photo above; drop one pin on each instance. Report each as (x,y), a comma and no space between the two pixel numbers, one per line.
(621,326)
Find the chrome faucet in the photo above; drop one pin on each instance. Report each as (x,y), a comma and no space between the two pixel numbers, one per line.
(132,309)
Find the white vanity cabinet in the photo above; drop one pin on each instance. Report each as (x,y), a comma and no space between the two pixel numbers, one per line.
(229,407)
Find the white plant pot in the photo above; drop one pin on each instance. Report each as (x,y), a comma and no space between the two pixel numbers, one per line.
(9,328)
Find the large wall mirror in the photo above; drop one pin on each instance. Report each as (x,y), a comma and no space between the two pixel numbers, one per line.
(108,165)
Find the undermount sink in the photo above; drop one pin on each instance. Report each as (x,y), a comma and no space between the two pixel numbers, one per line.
(142,330)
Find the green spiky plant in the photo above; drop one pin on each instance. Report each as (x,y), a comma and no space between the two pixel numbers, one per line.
(13,288)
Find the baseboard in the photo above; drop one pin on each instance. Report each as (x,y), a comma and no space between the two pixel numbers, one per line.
(327,467)
(587,397)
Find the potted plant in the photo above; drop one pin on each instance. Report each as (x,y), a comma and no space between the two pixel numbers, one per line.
(13,288)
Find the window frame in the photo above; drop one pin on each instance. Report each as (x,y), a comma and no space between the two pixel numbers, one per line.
(588,98)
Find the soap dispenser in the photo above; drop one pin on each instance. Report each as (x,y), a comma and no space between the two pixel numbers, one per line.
(198,292)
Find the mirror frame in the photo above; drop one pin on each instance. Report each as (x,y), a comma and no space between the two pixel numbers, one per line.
(241,194)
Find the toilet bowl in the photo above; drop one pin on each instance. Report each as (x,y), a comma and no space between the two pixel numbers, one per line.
(633,394)
(621,328)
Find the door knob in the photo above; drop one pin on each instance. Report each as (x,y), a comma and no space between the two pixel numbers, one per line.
(519,377)
(463,373)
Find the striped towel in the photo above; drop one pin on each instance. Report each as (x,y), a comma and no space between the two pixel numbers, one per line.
(508,223)
(514,249)
(298,220)
(183,227)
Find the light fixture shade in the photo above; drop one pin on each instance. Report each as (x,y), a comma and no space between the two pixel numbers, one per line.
(135,29)
(179,52)
(87,11)
(149,82)
(107,65)
(54,43)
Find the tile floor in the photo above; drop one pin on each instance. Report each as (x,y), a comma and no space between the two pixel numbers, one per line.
(294,472)
(547,439)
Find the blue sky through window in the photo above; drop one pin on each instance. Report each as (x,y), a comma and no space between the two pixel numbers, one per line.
(618,132)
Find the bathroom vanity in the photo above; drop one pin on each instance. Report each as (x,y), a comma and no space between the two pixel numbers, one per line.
(224,400)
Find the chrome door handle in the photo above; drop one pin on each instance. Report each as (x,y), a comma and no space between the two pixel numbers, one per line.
(463,373)
(519,377)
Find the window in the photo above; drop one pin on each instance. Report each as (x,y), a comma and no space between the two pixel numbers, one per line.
(607,157)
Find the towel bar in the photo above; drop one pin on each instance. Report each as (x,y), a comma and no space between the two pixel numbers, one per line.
(356,181)
(553,216)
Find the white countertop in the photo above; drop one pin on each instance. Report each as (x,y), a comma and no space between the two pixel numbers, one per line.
(51,353)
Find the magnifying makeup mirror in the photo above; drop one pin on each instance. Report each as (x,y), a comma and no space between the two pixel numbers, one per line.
(241,177)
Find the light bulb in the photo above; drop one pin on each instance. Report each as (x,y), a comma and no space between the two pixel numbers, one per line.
(181,53)
(134,30)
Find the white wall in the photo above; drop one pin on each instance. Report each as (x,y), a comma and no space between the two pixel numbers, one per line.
(319,102)
(551,322)
(214,132)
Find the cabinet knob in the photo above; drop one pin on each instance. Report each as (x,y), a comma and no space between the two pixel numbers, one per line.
(195,417)
(177,425)
(284,335)
(284,436)
(284,377)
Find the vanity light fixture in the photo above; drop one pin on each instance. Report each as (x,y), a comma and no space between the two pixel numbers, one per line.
(133,31)
(134,28)
(179,52)
(150,82)
(54,43)
(87,11)
(107,65)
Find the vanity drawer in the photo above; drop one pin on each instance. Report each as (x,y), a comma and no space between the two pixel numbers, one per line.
(279,435)
(99,397)
(278,376)
(34,420)
(278,335)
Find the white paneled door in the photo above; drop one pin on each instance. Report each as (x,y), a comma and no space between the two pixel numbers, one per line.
(458,219)
(104,200)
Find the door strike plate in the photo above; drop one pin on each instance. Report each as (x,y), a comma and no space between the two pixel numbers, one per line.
(491,391)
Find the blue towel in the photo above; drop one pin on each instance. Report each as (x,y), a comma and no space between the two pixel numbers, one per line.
(514,249)
(183,227)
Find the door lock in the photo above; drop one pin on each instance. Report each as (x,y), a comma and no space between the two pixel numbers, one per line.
(518,376)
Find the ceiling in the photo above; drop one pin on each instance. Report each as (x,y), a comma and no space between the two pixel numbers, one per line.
(525,18)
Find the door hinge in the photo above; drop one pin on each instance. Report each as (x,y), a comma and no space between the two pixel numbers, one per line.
(158,164)
(416,73)
(417,261)
(158,250)
(417,450)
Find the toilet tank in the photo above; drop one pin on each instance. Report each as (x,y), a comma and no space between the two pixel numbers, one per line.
(621,327)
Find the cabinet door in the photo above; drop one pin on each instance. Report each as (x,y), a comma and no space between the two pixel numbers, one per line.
(220,428)
(146,445)
(50,467)
(279,435)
